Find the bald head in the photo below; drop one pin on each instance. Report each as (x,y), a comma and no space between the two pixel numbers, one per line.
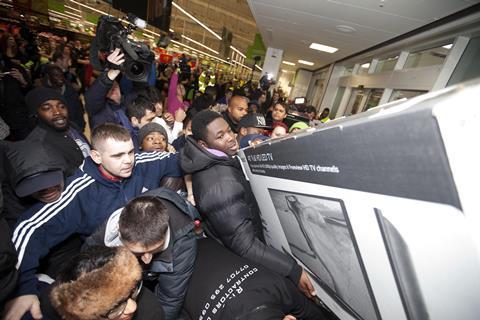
(237,108)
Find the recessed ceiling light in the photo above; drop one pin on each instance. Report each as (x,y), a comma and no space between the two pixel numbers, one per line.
(365,65)
(322,47)
(448,46)
(308,63)
(288,63)
(344,28)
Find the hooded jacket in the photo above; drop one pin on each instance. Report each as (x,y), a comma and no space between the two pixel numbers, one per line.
(229,208)
(174,265)
(87,200)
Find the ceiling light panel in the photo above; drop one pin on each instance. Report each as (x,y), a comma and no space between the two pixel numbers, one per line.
(288,63)
(308,63)
(322,47)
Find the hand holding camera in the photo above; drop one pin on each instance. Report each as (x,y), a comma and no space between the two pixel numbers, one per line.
(115,58)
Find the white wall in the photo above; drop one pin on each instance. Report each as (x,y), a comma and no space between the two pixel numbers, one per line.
(302,81)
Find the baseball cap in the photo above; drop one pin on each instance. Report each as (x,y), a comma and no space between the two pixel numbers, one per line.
(245,141)
(253,120)
(38,181)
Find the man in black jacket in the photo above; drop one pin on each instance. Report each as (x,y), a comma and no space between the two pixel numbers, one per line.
(54,127)
(236,288)
(225,199)
(158,228)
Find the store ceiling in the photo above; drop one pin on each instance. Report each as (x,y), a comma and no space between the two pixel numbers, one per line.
(349,25)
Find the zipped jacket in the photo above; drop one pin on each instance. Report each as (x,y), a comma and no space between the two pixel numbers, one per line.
(87,201)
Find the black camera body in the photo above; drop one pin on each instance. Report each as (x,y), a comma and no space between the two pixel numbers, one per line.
(265,82)
(111,34)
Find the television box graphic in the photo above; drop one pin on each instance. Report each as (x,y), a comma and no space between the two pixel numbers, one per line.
(381,208)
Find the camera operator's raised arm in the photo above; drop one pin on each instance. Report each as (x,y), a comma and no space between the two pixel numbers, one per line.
(115,58)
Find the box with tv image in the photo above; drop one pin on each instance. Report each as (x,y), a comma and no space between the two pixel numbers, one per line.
(380,208)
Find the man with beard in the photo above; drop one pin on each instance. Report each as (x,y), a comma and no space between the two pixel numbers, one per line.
(237,108)
(54,128)
(55,79)
(225,200)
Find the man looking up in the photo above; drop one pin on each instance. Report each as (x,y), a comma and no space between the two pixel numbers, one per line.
(237,108)
(110,177)
(225,200)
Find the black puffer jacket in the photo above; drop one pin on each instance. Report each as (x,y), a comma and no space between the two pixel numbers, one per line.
(229,208)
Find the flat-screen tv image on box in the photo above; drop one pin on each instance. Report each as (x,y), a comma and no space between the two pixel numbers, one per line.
(319,234)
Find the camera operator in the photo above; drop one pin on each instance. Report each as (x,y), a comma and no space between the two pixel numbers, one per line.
(103,100)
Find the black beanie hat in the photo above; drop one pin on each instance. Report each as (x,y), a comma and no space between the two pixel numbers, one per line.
(39,95)
(149,128)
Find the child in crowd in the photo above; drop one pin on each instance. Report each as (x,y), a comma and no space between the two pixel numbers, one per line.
(153,137)
(280,129)
(297,126)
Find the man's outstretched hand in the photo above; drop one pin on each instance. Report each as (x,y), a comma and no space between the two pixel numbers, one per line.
(16,308)
(306,286)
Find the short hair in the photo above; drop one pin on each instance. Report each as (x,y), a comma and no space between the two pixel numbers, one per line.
(92,258)
(144,220)
(109,131)
(311,109)
(52,68)
(151,93)
(257,94)
(57,55)
(236,96)
(202,102)
(138,107)
(200,122)
(284,105)
(211,91)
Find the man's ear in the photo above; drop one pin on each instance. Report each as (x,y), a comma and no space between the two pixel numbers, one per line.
(203,144)
(134,121)
(96,156)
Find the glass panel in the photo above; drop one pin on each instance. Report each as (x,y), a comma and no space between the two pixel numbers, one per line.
(364,68)
(336,102)
(400,94)
(468,66)
(347,71)
(373,99)
(430,57)
(386,64)
(355,101)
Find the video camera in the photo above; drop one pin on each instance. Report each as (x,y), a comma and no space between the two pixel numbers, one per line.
(111,34)
(266,82)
